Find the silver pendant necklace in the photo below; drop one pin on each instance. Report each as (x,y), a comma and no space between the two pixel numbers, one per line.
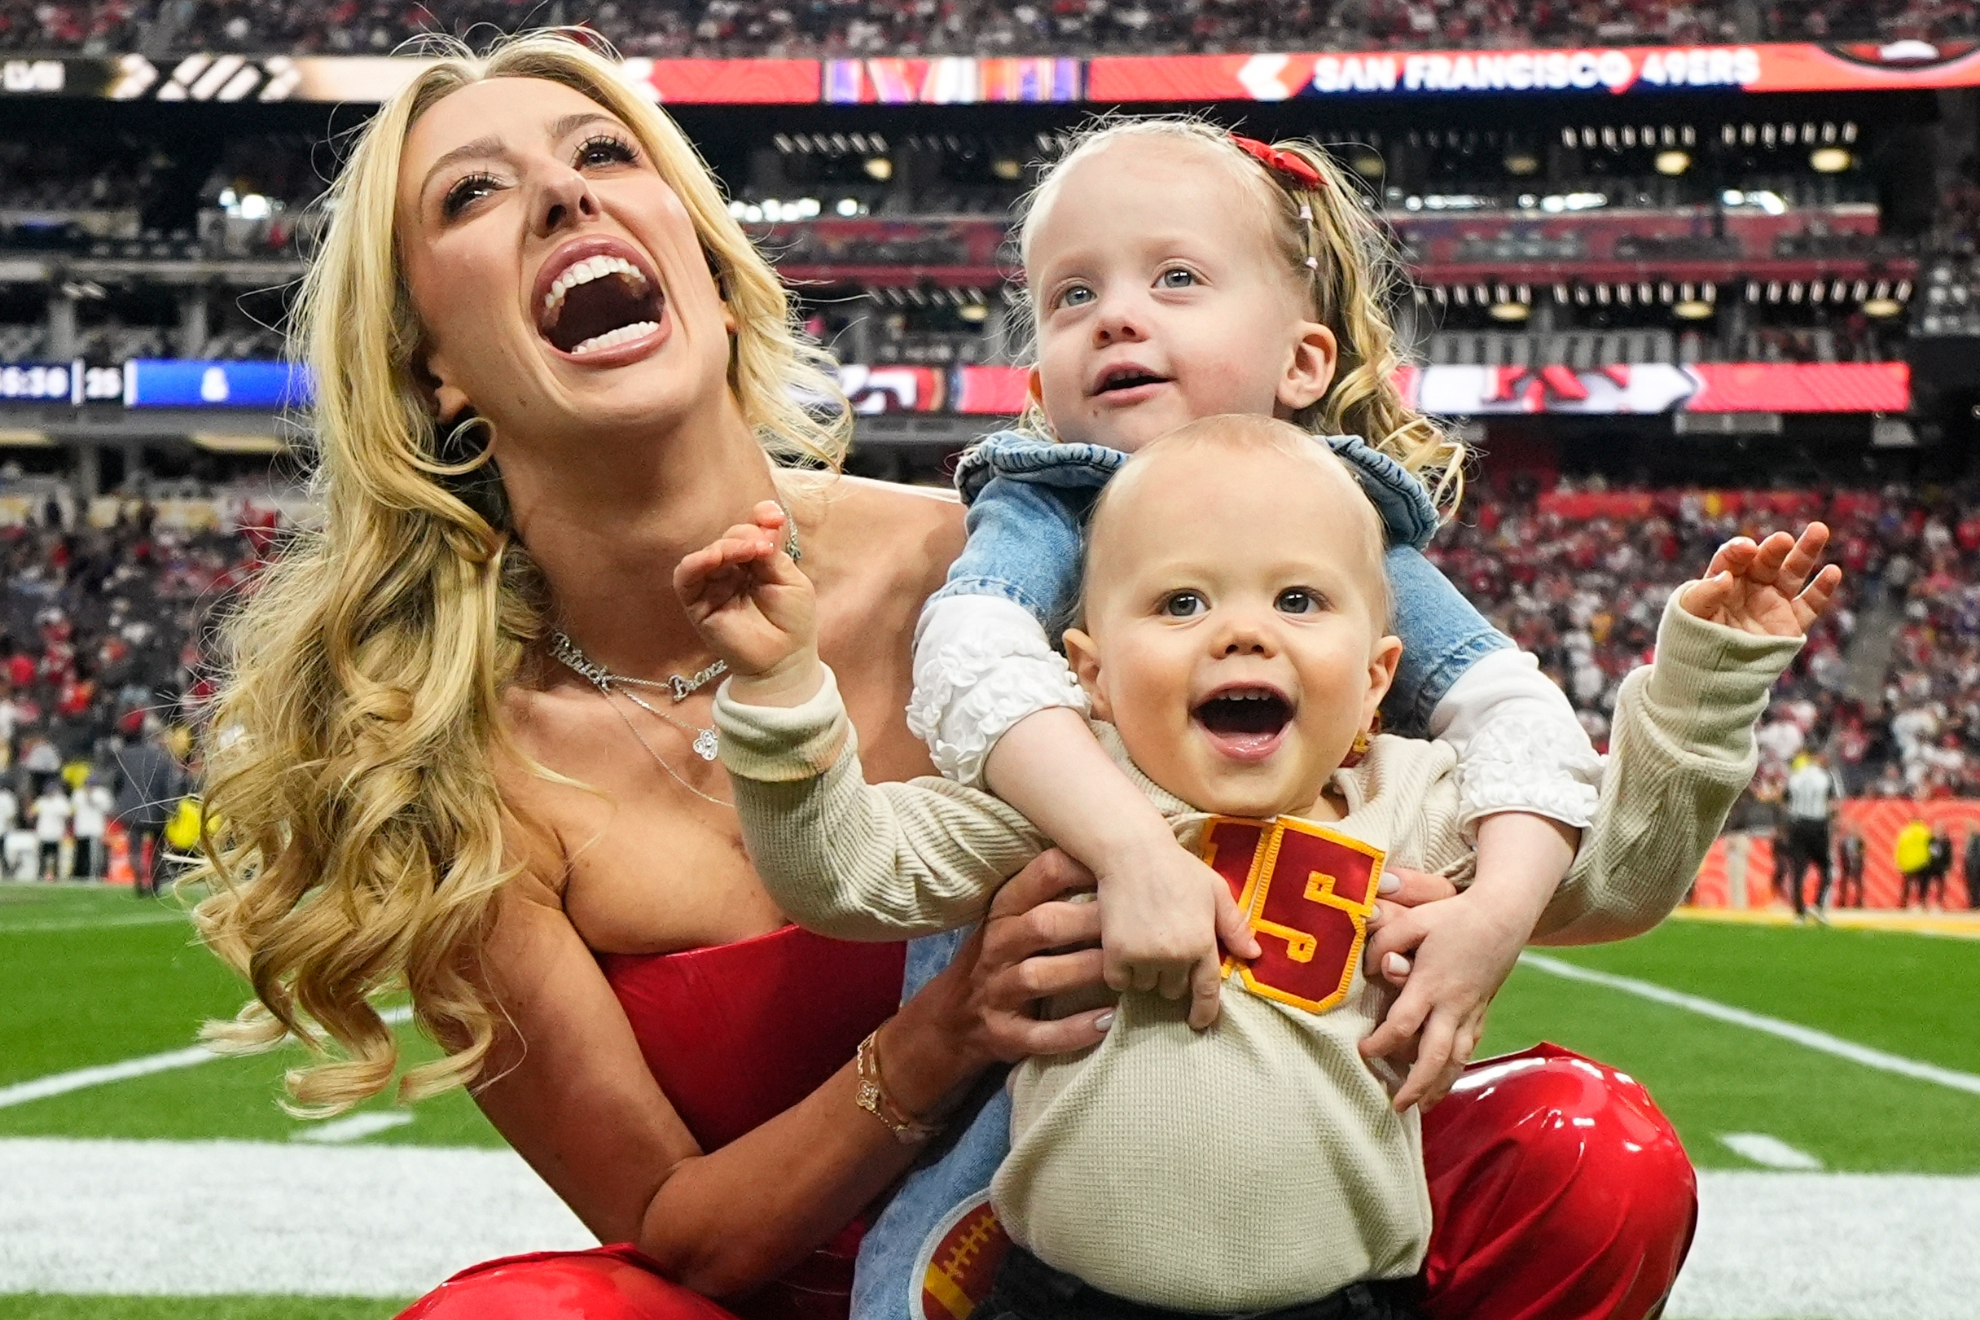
(705,742)
(569,654)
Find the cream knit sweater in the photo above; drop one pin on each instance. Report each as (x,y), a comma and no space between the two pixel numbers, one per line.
(1257,1164)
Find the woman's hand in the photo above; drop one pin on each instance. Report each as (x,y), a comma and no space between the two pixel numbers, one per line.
(1032,944)
(1766,589)
(755,610)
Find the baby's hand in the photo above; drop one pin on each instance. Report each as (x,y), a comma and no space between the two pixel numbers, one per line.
(1465,947)
(755,610)
(1759,589)
(1165,920)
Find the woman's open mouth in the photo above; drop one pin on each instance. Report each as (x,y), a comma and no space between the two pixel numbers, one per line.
(598,302)
(1245,722)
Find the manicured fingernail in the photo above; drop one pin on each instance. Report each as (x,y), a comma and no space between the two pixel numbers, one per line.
(1395,964)
(1104,1021)
(1389,883)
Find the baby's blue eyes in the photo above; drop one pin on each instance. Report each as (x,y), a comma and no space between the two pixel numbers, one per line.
(1176,278)
(1183,605)
(1293,600)
(1076,296)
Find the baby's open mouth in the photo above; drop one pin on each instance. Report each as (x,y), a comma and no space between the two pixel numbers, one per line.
(1245,722)
(1115,379)
(599,302)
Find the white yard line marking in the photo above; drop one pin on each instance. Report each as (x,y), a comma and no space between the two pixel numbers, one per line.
(355,1128)
(86,923)
(1800,1035)
(275,1217)
(40,1088)
(1758,1147)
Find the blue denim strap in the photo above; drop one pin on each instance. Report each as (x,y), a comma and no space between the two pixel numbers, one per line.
(1409,517)
(1022,456)
(1442,635)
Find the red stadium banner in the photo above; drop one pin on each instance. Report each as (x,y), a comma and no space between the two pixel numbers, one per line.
(727,82)
(1706,387)
(1775,67)
(964,79)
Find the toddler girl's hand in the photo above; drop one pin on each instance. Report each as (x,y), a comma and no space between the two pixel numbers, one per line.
(1765,589)
(1464,949)
(755,610)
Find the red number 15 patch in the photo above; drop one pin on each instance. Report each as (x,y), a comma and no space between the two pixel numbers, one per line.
(1308,892)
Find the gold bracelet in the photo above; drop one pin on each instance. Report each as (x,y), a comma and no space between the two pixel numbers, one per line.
(873,1098)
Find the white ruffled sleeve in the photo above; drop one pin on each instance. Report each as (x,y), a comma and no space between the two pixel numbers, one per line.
(981,664)
(1519,745)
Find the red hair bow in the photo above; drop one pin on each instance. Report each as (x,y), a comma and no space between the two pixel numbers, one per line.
(1300,171)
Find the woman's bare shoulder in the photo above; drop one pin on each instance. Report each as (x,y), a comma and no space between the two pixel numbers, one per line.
(914,531)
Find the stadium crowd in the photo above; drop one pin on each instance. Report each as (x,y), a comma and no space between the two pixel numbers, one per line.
(1579,575)
(830,28)
(100,649)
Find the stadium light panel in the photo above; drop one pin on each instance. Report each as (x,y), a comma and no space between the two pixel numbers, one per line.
(1692,309)
(1830,160)
(879,168)
(1673,162)
(1882,308)
(1509,311)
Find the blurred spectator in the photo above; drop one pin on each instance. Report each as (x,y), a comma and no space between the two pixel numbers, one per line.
(149,785)
(90,807)
(51,826)
(1940,856)
(1849,859)
(1912,851)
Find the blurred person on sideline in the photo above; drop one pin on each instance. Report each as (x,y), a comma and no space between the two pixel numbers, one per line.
(1970,867)
(1849,856)
(51,826)
(1939,853)
(1811,802)
(149,784)
(90,806)
(1913,854)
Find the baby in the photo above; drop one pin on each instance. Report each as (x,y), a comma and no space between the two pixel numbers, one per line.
(1232,639)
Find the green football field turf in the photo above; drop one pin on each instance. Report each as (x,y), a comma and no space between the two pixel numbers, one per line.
(90,977)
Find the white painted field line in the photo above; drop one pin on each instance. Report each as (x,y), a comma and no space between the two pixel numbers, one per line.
(1761,1149)
(88,923)
(244,1217)
(356,1127)
(1794,1031)
(41,1088)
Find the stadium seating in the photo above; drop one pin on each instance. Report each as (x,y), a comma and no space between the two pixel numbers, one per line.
(1889,683)
(727,28)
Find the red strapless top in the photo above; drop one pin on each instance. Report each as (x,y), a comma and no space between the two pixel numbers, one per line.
(737,1033)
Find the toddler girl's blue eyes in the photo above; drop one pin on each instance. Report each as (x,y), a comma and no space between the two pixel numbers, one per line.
(1176,278)
(1182,605)
(1298,600)
(1075,296)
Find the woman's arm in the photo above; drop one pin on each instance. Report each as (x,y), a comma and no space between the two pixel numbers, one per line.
(570,1091)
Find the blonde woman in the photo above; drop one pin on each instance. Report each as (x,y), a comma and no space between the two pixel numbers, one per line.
(449,765)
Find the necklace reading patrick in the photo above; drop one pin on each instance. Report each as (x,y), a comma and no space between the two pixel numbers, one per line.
(679,686)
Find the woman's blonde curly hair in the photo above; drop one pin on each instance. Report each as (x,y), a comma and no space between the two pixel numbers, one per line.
(358,843)
(1338,252)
